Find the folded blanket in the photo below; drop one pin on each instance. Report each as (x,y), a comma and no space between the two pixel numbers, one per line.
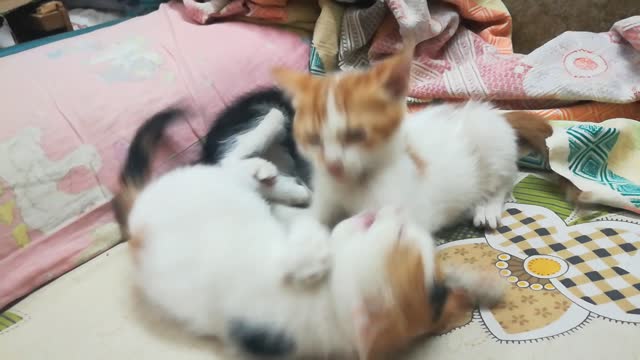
(325,37)
(299,14)
(600,159)
(464,51)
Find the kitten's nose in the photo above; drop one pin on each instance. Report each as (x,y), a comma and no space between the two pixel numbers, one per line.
(335,169)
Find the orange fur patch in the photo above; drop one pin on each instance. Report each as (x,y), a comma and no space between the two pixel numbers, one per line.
(531,128)
(309,95)
(136,241)
(418,161)
(372,101)
(367,106)
(411,315)
(121,205)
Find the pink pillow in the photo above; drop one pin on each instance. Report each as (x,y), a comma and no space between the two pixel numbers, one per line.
(71,107)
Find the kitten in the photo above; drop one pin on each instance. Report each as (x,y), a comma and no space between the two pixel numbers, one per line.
(257,124)
(263,131)
(439,163)
(271,291)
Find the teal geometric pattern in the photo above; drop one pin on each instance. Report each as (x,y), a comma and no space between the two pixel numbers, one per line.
(589,148)
(315,63)
(534,161)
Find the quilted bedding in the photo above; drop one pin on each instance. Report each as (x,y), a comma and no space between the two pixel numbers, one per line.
(69,111)
(572,274)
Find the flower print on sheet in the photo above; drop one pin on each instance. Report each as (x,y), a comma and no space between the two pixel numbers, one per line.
(582,66)
(78,46)
(131,60)
(562,267)
(35,180)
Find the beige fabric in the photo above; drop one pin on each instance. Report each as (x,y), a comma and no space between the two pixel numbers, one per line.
(325,34)
(91,313)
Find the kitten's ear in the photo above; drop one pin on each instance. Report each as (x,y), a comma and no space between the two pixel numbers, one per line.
(394,73)
(291,81)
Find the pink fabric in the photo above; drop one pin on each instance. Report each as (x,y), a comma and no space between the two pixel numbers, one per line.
(203,12)
(464,51)
(70,109)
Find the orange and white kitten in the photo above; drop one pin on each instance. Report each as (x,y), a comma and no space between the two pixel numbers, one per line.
(438,164)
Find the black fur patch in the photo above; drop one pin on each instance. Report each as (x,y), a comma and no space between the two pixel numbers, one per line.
(146,139)
(439,295)
(260,340)
(243,115)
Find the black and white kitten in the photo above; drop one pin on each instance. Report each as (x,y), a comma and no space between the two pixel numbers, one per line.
(258,124)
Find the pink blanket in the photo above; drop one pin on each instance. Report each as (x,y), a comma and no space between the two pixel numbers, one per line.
(300,14)
(70,108)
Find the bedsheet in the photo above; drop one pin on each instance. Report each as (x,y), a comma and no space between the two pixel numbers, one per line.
(71,107)
(572,280)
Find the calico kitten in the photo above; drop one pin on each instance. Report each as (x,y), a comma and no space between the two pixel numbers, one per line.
(272,291)
(257,124)
(438,163)
(253,127)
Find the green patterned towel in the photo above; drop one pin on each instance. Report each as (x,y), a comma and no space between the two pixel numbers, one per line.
(602,160)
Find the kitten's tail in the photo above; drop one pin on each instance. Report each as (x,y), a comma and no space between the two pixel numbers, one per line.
(137,167)
(532,130)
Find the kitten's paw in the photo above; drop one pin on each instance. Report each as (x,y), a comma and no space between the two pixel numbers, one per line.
(296,193)
(488,215)
(310,257)
(264,171)
(286,190)
(309,272)
(300,197)
(485,288)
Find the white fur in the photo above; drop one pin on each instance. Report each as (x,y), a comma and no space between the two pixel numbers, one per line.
(257,140)
(470,153)
(486,288)
(212,251)
(263,139)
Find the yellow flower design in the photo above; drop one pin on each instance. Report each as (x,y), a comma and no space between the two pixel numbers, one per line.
(527,312)
(558,274)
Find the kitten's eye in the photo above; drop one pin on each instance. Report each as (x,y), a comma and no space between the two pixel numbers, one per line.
(353,136)
(314,140)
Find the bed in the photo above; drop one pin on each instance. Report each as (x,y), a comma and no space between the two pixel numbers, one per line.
(572,273)
(92,312)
